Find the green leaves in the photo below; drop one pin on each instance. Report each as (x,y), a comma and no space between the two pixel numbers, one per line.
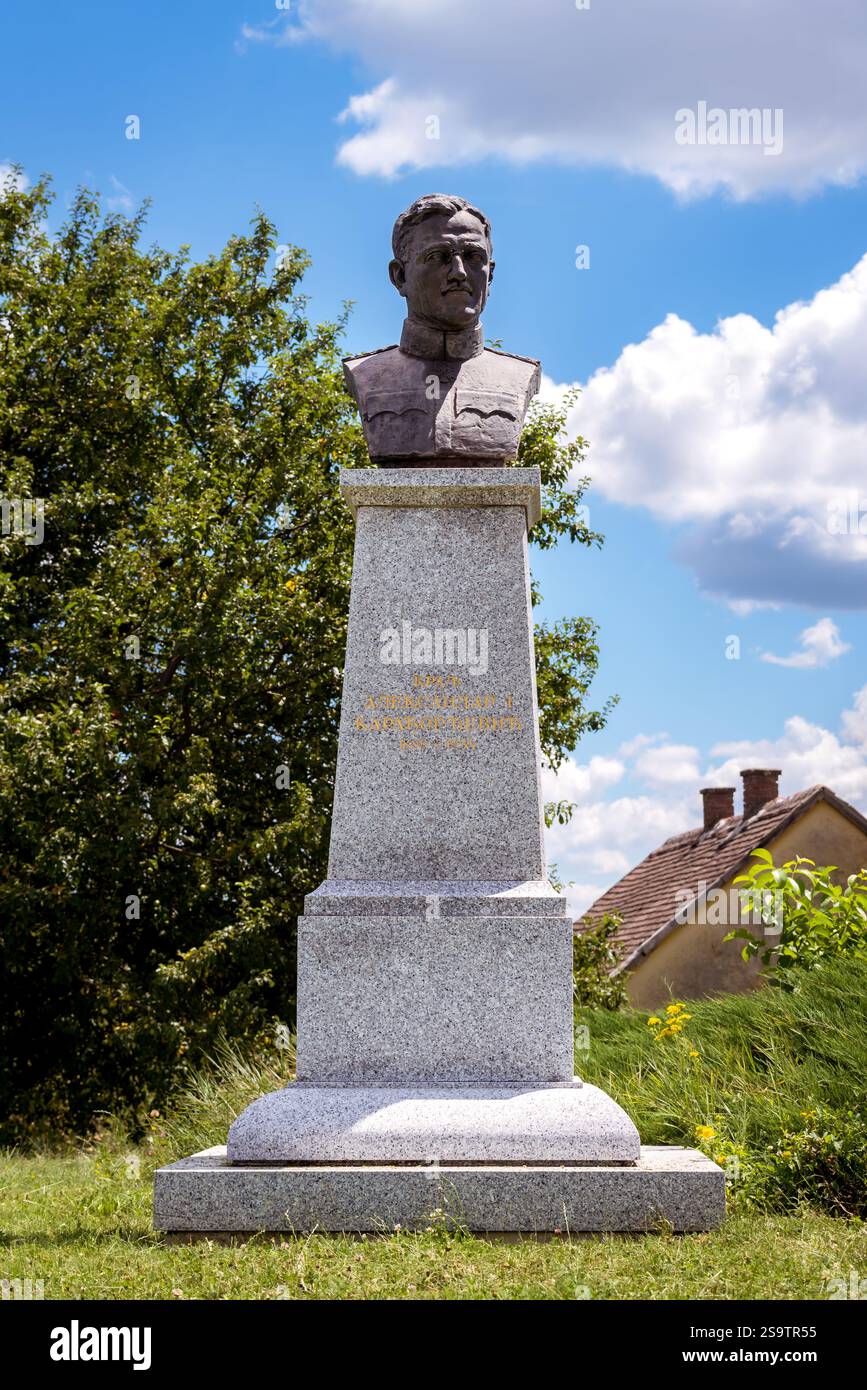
(567,658)
(807,914)
(567,653)
(164,410)
(595,953)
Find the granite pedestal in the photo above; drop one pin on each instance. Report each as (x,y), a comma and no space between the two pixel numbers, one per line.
(666,1189)
(435,1041)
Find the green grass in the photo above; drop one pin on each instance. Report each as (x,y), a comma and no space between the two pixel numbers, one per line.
(82,1226)
(764,1058)
(80,1222)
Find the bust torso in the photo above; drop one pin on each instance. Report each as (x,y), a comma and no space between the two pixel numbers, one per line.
(465,407)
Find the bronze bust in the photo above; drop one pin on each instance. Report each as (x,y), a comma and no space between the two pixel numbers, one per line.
(440,397)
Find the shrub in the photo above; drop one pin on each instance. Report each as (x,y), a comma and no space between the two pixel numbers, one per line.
(811,916)
(595,954)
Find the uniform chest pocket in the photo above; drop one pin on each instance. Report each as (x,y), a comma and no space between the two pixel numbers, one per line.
(397,422)
(488,420)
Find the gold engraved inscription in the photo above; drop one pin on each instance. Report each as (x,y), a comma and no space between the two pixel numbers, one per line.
(436,715)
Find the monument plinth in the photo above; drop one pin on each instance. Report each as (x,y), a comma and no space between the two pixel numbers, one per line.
(436,898)
(435,1037)
(434,963)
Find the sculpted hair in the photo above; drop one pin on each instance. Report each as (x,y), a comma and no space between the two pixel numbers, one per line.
(427,206)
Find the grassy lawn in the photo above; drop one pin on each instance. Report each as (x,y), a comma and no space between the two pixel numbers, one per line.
(82,1226)
(770,1084)
(774,1081)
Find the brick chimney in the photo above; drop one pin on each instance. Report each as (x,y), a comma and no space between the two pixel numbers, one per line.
(761,785)
(719,804)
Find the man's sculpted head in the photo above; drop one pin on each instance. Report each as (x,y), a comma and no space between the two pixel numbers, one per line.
(442,267)
(442,261)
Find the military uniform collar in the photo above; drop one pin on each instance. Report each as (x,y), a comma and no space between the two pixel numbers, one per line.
(419,340)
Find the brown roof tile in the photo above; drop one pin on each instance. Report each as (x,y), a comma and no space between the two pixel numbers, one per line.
(647,897)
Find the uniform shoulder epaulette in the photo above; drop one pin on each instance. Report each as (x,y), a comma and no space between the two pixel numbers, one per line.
(356,356)
(534,361)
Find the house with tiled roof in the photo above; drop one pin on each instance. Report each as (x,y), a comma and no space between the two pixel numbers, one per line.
(680,902)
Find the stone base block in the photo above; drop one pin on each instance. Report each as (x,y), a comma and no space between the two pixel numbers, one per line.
(672,1188)
(416,1000)
(569,1123)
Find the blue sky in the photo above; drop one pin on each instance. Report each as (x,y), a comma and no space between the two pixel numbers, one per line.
(719,439)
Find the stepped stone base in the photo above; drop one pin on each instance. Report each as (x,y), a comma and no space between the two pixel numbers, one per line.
(567,1123)
(672,1188)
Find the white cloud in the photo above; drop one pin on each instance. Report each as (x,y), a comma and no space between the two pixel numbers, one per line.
(808,755)
(820,645)
(683,422)
(276,31)
(711,416)
(604,839)
(121,200)
(608,835)
(854,721)
(669,765)
(547,81)
(576,781)
(634,745)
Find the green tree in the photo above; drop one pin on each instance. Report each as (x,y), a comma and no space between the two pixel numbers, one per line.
(567,652)
(171,653)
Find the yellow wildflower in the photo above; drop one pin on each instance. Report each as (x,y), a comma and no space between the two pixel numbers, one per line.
(704,1132)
